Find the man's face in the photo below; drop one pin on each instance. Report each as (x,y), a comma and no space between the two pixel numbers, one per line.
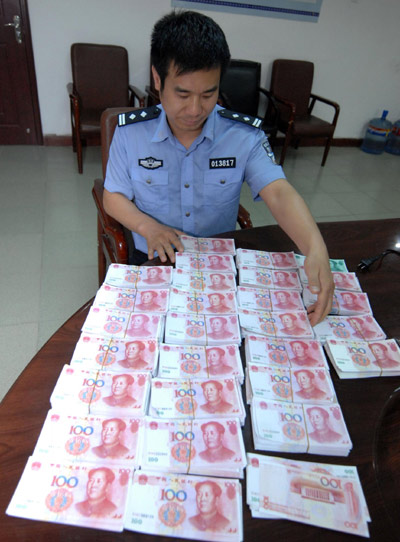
(378,351)
(147,297)
(188,99)
(214,260)
(281,297)
(216,280)
(287,320)
(137,321)
(298,349)
(303,380)
(214,299)
(211,393)
(119,386)
(205,499)
(110,432)
(317,420)
(132,350)
(97,485)
(152,274)
(216,324)
(211,436)
(213,356)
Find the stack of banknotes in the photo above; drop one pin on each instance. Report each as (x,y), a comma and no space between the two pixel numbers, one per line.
(144,431)
(324,495)
(361,359)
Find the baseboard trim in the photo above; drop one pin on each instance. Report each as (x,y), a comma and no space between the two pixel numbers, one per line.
(53,140)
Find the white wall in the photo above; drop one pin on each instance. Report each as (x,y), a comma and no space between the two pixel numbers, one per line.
(355,47)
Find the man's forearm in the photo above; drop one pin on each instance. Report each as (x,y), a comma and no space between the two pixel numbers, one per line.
(293,216)
(126,212)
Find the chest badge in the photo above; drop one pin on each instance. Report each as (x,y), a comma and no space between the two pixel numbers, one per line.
(150,163)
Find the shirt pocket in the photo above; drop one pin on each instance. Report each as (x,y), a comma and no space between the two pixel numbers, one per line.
(151,189)
(222,187)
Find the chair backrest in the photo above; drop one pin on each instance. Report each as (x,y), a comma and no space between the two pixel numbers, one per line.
(109,121)
(292,80)
(100,75)
(240,84)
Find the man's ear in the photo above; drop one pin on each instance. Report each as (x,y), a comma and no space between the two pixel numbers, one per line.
(156,78)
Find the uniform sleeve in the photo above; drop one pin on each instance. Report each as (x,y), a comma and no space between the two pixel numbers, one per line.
(118,177)
(261,168)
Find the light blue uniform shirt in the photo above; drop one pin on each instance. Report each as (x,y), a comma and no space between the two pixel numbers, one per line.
(195,190)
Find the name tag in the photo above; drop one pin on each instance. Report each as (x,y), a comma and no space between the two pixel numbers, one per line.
(222,163)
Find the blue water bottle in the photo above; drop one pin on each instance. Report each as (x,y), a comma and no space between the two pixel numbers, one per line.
(393,140)
(376,135)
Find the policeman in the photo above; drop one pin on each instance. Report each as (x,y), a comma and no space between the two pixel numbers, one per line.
(183,162)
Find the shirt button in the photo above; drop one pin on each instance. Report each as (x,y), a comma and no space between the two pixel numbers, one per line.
(148,181)
(187,214)
(222,181)
(187,185)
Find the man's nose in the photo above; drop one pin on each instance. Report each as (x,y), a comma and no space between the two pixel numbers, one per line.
(194,106)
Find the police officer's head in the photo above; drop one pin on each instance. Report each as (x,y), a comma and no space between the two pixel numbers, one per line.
(189,40)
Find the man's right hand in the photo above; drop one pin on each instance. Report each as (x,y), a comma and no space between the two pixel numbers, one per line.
(158,237)
(161,239)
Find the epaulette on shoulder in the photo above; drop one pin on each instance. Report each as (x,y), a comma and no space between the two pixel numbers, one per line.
(139,115)
(246,119)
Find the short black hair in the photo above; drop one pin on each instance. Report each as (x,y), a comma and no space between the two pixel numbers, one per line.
(191,41)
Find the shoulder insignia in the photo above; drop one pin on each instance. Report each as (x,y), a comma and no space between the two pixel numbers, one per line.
(139,115)
(240,117)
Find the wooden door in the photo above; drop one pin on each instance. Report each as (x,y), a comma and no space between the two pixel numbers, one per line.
(19,106)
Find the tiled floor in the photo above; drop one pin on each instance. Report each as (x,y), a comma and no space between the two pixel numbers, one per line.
(48,263)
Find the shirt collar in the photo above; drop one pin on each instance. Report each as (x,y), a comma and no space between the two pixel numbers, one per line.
(163,131)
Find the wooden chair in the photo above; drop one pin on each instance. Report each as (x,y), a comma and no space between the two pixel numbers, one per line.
(114,241)
(291,84)
(100,76)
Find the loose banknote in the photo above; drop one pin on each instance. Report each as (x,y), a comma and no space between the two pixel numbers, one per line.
(134,276)
(361,359)
(192,399)
(111,354)
(270,260)
(344,302)
(299,428)
(342,281)
(268,278)
(84,494)
(70,438)
(190,261)
(202,329)
(290,324)
(185,506)
(191,361)
(363,327)
(97,392)
(262,299)
(292,353)
(336,265)
(198,280)
(328,496)
(206,302)
(133,300)
(208,245)
(121,323)
(211,446)
(290,385)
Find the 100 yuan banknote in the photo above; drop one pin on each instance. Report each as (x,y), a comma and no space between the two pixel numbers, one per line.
(185,506)
(211,446)
(199,280)
(85,494)
(134,276)
(69,438)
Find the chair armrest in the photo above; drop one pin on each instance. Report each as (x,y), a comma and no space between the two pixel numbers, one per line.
(111,229)
(244,219)
(137,93)
(336,106)
(288,104)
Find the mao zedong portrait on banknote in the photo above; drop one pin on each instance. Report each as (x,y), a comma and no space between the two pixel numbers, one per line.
(215,403)
(208,517)
(120,395)
(97,502)
(213,434)
(111,434)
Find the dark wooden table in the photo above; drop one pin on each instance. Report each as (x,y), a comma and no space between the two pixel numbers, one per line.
(370,406)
